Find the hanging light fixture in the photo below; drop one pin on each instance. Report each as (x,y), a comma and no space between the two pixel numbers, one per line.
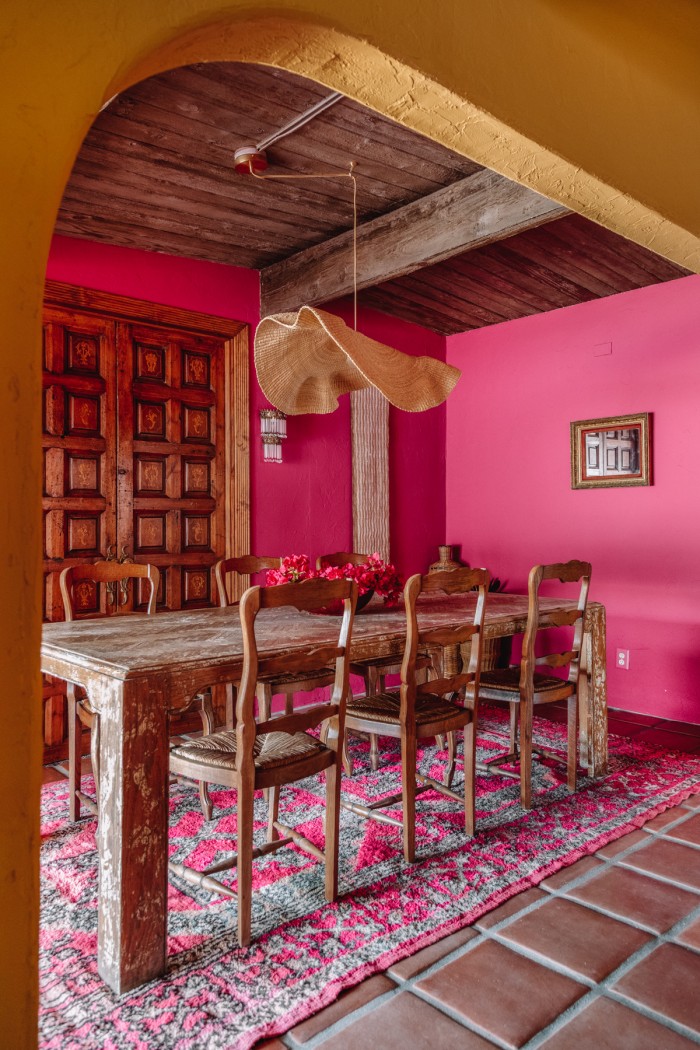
(305,360)
(273,431)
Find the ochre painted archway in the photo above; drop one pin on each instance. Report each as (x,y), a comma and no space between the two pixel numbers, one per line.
(594,105)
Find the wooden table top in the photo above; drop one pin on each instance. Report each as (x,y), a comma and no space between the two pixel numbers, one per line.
(132,646)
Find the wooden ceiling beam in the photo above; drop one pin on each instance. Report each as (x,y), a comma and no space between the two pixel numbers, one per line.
(482,208)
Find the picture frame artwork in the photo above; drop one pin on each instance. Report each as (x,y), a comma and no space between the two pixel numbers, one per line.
(611,452)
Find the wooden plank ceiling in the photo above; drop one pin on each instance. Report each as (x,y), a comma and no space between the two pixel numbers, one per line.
(156,172)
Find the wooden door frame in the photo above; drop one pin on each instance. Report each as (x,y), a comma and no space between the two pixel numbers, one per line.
(236,394)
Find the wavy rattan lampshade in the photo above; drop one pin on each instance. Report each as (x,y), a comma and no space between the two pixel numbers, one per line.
(306,360)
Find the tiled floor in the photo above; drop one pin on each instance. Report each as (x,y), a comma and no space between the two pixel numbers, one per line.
(603,955)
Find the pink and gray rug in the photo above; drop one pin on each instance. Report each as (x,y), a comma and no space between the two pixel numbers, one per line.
(219,997)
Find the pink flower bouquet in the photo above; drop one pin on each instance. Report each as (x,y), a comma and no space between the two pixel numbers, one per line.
(373,576)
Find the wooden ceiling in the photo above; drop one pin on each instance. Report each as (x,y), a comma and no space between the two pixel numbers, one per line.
(156,172)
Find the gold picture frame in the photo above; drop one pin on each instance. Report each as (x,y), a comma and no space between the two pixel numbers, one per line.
(611,452)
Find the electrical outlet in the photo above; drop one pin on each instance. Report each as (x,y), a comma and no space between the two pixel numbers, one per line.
(623,659)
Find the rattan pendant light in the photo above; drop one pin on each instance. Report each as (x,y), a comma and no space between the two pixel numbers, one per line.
(306,360)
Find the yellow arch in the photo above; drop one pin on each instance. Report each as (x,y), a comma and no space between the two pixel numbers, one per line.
(593,104)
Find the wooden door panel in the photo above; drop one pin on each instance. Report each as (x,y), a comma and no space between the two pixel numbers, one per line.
(79,464)
(171,457)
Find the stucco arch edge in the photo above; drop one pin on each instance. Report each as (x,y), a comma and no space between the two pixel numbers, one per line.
(388,86)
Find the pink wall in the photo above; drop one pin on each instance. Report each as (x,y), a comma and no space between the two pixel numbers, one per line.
(304,505)
(509,500)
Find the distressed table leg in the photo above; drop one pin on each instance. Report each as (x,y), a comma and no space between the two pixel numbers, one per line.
(132,833)
(596,709)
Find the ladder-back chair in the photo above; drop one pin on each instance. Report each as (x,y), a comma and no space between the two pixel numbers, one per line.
(270,753)
(80,591)
(373,672)
(420,710)
(522,686)
(268,686)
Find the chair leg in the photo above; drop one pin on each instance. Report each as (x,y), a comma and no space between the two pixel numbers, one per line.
(95,753)
(74,755)
(408,792)
(205,800)
(332,829)
(273,804)
(245,859)
(230,706)
(514,712)
(525,754)
(374,682)
(451,758)
(264,695)
(572,742)
(469,776)
(374,751)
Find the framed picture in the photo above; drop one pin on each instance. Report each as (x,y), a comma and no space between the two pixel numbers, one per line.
(611,452)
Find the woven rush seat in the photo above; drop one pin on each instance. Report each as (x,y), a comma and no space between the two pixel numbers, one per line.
(270,750)
(385,707)
(507,680)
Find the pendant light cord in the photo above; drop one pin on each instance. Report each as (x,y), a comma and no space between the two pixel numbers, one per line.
(330,175)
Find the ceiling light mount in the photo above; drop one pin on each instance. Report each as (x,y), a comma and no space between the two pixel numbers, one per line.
(249,160)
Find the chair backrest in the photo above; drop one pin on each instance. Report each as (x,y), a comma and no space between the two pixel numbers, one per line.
(324,561)
(79,593)
(450,582)
(565,572)
(307,596)
(243,566)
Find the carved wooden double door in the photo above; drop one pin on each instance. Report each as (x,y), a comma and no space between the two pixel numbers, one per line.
(135,452)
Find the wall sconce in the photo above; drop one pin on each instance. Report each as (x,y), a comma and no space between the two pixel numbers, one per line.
(273,431)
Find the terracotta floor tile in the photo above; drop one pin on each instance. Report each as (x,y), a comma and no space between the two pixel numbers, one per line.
(509,997)
(667,982)
(661,737)
(631,895)
(511,907)
(270,1044)
(574,871)
(690,936)
(347,1001)
(620,845)
(671,860)
(405,1022)
(408,968)
(664,819)
(606,1025)
(590,944)
(693,801)
(688,831)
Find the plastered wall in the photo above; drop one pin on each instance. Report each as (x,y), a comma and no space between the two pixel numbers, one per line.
(511,504)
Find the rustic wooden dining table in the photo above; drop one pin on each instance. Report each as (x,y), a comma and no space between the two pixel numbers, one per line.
(137,668)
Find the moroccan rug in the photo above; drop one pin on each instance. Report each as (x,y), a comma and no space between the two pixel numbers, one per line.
(219,997)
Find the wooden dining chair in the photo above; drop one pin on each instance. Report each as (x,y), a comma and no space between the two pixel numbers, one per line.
(375,672)
(419,710)
(523,687)
(273,752)
(80,590)
(268,686)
